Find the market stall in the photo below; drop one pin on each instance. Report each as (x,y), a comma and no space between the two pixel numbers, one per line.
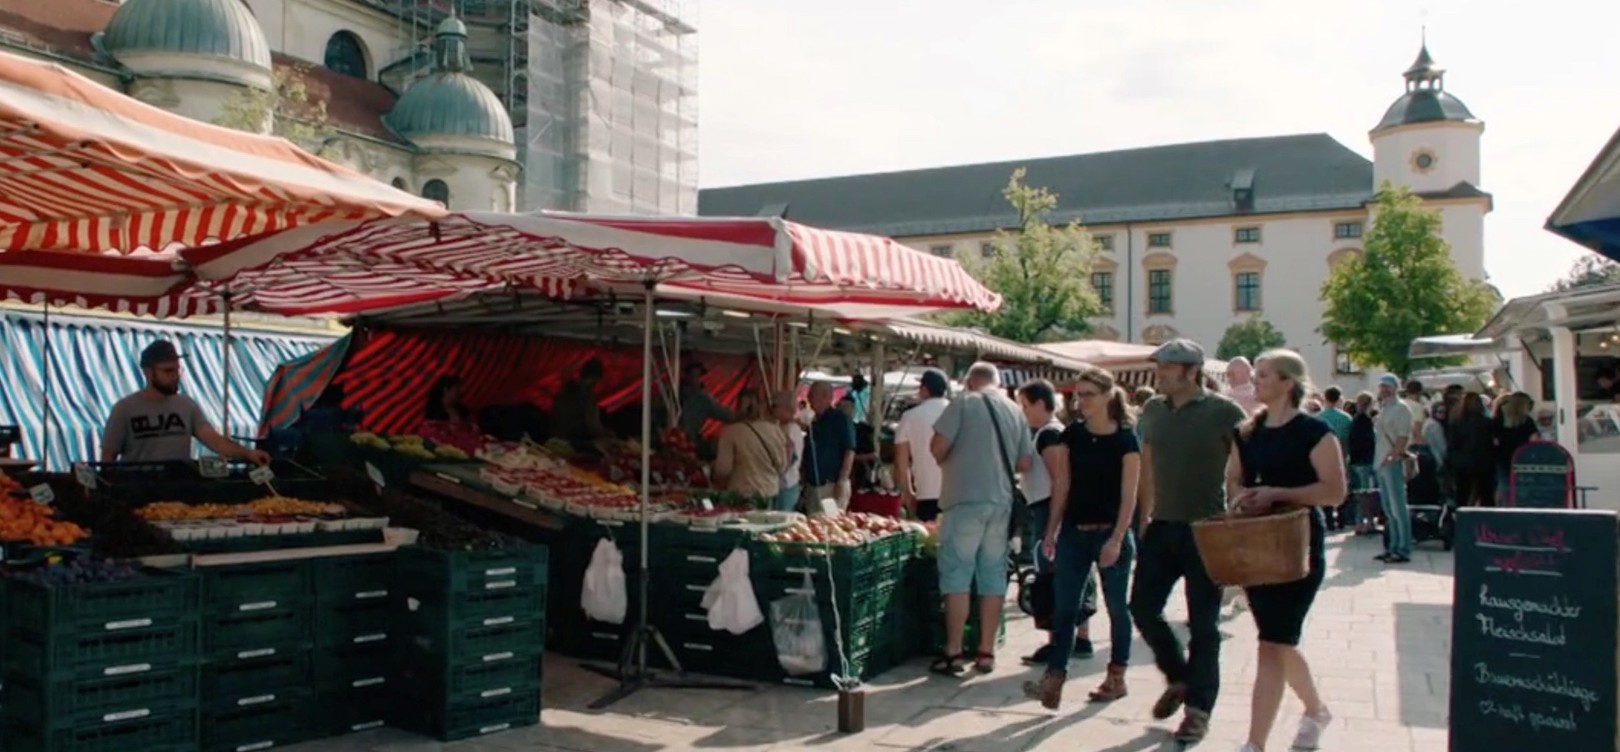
(1128,361)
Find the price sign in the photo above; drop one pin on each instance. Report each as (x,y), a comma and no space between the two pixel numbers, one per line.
(262,475)
(375,475)
(85,476)
(42,494)
(212,467)
(708,506)
(829,507)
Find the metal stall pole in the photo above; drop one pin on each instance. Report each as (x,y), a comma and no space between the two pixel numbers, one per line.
(632,671)
(225,390)
(45,391)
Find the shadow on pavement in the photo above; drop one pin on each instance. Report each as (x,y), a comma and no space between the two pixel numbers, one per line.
(1423,649)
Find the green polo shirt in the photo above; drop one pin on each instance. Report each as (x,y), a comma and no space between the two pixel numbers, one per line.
(1189,446)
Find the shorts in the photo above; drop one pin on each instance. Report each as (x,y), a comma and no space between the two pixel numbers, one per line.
(973,549)
(1280,610)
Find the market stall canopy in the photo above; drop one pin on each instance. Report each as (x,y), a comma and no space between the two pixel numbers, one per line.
(760,260)
(1590,214)
(980,344)
(1580,308)
(1452,345)
(1103,353)
(85,169)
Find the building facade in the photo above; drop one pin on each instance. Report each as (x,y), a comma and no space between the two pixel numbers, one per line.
(1191,238)
(496,105)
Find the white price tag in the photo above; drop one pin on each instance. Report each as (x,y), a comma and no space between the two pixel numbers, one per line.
(85,476)
(708,506)
(829,507)
(375,474)
(262,475)
(42,494)
(212,467)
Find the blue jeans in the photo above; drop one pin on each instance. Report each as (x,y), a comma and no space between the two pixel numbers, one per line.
(1077,552)
(1397,520)
(787,499)
(1039,514)
(973,549)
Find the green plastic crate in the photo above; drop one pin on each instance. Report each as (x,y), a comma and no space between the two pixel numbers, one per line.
(471,719)
(156,597)
(372,666)
(458,571)
(243,588)
(347,579)
(227,681)
(66,704)
(171,732)
(283,721)
(248,635)
(102,654)
(478,608)
(353,711)
(471,645)
(477,681)
(355,625)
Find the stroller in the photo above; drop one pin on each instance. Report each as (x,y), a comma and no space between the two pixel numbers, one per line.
(1432,509)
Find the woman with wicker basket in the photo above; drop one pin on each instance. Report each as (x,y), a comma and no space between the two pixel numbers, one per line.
(1285,466)
(1093,484)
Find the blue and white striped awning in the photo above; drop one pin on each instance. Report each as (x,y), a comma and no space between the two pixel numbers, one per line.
(94,363)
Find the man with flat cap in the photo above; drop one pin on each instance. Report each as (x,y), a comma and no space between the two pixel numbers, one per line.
(1187,434)
(157,423)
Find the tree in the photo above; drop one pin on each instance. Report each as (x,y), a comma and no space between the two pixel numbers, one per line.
(1404,285)
(287,108)
(1590,270)
(1249,339)
(1042,272)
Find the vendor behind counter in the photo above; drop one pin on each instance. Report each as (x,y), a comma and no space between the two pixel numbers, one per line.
(158,423)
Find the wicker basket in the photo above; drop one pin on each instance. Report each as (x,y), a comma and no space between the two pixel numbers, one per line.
(1249,551)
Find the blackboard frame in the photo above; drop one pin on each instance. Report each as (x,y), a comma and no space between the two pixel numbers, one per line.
(1544,481)
(1535,611)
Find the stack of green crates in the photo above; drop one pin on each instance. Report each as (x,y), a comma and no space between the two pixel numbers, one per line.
(924,611)
(688,561)
(356,636)
(861,594)
(101,666)
(258,663)
(572,633)
(473,641)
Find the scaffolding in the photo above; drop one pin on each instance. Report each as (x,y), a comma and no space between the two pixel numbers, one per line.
(603,94)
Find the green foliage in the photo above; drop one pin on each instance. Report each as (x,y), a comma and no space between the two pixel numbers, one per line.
(1042,272)
(287,108)
(1590,270)
(1405,285)
(1248,339)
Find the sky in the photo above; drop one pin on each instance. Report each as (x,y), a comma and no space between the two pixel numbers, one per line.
(794,90)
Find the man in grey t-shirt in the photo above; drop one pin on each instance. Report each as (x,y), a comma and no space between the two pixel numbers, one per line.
(157,424)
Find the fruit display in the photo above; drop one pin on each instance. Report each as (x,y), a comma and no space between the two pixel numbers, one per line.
(9,486)
(410,446)
(438,528)
(844,530)
(273,515)
(675,440)
(78,571)
(119,533)
(23,521)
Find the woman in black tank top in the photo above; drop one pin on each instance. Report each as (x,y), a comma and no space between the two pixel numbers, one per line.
(1285,458)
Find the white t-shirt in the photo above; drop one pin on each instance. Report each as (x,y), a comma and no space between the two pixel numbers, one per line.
(795,439)
(917,429)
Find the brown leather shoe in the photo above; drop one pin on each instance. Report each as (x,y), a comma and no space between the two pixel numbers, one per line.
(1113,685)
(1049,690)
(1169,702)
(1194,727)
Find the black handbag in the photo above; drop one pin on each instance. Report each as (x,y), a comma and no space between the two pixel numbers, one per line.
(1043,599)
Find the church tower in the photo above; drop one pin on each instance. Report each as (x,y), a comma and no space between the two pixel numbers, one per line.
(1428,141)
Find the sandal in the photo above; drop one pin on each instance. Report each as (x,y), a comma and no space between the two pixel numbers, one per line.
(984,663)
(953,666)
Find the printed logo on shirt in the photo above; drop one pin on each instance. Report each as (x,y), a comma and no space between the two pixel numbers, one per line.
(157,426)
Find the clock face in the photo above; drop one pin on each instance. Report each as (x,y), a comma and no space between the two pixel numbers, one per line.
(1423,160)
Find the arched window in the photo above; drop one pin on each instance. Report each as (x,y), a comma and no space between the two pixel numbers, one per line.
(436,190)
(346,55)
(400,184)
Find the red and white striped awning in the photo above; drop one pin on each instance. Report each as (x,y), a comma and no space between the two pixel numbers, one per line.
(85,169)
(749,259)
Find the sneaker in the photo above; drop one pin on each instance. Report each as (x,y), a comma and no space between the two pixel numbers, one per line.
(1398,559)
(1382,557)
(1083,649)
(1194,727)
(1310,730)
(1169,702)
(1038,658)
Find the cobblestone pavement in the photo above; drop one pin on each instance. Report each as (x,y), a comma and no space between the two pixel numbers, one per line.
(1378,640)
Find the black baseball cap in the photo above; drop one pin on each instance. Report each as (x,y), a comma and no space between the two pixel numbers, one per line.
(935,382)
(160,352)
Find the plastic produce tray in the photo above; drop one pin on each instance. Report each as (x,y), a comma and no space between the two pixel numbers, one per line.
(232,679)
(249,635)
(476,644)
(476,681)
(244,588)
(280,722)
(171,732)
(345,579)
(102,654)
(472,719)
(458,571)
(78,704)
(356,625)
(491,608)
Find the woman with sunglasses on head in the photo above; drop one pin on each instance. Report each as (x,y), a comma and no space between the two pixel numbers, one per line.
(1285,458)
(1089,524)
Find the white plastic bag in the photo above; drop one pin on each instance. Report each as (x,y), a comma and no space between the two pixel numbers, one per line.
(801,647)
(604,597)
(730,598)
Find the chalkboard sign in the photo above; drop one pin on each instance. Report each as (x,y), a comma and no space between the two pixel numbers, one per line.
(1534,616)
(1542,476)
